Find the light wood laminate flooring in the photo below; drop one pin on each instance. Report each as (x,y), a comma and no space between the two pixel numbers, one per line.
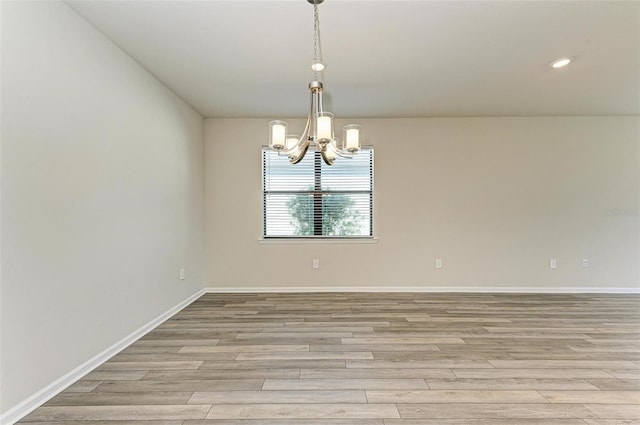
(372,359)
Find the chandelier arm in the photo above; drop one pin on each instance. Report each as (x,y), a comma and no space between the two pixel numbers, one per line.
(294,152)
(345,153)
(298,151)
(303,151)
(327,160)
(307,128)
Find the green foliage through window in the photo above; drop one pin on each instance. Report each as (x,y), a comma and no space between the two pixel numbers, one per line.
(340,217)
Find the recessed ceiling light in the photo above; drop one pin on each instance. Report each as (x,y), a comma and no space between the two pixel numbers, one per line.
(560,63)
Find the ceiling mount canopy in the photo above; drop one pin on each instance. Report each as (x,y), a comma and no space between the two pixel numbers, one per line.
(319,130)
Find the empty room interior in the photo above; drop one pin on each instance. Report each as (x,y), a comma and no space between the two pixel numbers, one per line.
(320,212)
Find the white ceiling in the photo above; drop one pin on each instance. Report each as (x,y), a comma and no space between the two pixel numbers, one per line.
(385,58)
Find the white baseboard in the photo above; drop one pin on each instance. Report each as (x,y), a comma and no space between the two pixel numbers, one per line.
(426,289)
(25,407)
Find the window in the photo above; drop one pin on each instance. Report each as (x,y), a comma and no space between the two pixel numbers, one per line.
(312,199)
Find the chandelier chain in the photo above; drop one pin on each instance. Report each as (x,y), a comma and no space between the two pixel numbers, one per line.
(316,32)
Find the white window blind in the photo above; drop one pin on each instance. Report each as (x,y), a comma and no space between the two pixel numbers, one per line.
(312,199)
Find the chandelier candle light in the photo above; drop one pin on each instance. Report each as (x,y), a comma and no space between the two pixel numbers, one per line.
(319,128)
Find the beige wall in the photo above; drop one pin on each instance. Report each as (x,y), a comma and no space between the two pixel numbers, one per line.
(494,198)
(102,186)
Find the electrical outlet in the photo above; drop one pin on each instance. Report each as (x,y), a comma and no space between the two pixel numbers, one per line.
(183,273)
(438,263)
(553,263)
(585,262)
(316,263)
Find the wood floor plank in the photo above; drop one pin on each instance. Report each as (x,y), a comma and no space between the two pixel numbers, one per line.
(484,421)
(454,396)
(511,384)
(171,357)
(147,365)
(375,373)
(97,422)
(572,364)
(179,385)
(615,411)
(312,327)
(576,357)
(453,319)
(318,355)
(279,397)
(274,364)
(423,364)
(442,354)
(376,347)
(174,342)
(114,399)
(624,373)
(244,348)
(292,335)
(139,349)
(344,384)
(510,411)
(401,340)
(281,421)
(532,373)
(117,413)
(593,397)
(233,374)
(115,375)
(616,384)
(606,348)
(83,386)
(302,411)
(336,323)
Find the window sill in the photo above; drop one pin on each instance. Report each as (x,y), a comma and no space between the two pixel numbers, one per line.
(319,241)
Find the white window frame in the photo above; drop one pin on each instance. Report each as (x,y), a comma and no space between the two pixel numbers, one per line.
(317,237)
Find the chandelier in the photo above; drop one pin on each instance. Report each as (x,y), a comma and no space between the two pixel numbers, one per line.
(319,128)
